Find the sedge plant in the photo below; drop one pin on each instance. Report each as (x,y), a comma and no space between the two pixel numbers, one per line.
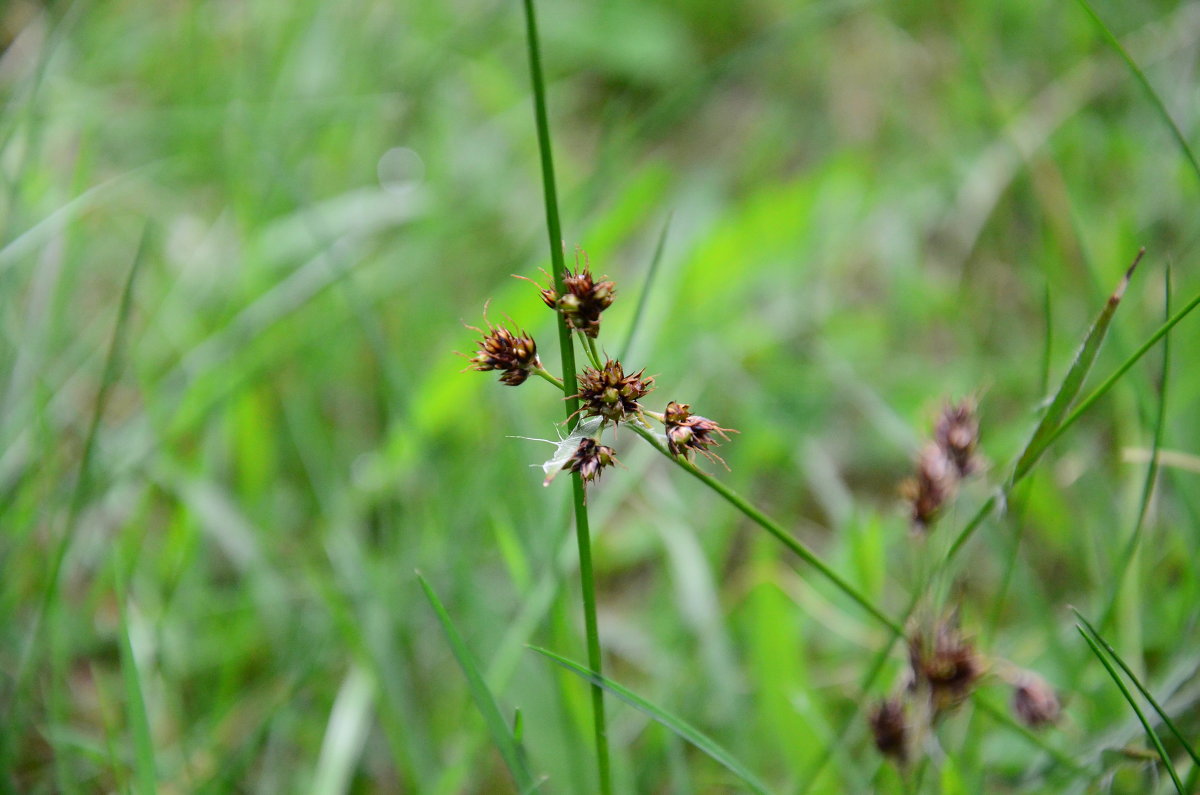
(945,665)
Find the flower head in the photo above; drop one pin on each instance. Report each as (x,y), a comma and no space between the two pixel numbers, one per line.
(501,349)
(688,433)
(589,459)
(889,727)
(583,299)
(957,435)
(931,488)
(948,664)
(611,394)
(1034,701)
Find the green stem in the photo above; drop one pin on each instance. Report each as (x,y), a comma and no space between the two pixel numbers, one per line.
(1108,383)
(1135,538)
(589,345)
(541,372)
(999,500)
(582,529)
(765,522)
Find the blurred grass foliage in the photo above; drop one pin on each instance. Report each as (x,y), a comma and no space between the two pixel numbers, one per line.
(872,206)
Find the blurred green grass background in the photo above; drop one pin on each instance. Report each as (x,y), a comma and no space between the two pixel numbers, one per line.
(872,207)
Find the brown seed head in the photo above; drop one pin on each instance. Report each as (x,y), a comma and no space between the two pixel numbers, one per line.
(688,433)
(957,434)
(501,349)
(548,295)
(932,487)
(1034,701)
(611,394)
(590,459)
(949,664)
(889,727)
(583,300)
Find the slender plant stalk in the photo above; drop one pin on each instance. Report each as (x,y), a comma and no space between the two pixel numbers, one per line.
(81,491)
(676,725)
(505,740)
(1135,538)
(1000,499)
(589,345)
(1101,390)
(644,296)
(1162,714)
(1094,643)
(765,522)
(582,530)
(541,373)
(1035,739)
(1140,76)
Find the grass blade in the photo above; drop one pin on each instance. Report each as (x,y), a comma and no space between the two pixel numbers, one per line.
(1001,496)
(675,724)
(485,702)
(1048,342)
(644,295)
(1079,410)
(1043,434)
(765,522)
(1135,538)
(1140,76)
(345,733)
(1141,689)
(48,599)
(135,702)
(1002,717)
(583,535)
(1095,647)
(1108,383)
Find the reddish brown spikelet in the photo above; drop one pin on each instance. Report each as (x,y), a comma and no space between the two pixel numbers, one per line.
(611,394)
(590,459)
(1034,701)
(584,298)
(501,349)
(889,727)
(949,664)
(688,433)
(932,487)
(957,435)
(548,295)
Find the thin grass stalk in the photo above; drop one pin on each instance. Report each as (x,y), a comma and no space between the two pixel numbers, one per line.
(1094,644)
(639,314)
(1135,538)
(1085,358)
(582,530)
(1162,713)
(1048,342)
(1033,738)
(1026,460)
(1140,76)
(485,701)
(1010,567)
(48,601)
(765,522)
(1101,390)
(678,726)
(145,765)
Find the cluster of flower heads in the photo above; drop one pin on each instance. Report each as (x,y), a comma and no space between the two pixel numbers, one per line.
(583,300)
(944,667)
(943,463)
(500,349)
(605,391)
(944,664)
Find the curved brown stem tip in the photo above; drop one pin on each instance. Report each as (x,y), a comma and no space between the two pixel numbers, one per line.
(1119,293)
